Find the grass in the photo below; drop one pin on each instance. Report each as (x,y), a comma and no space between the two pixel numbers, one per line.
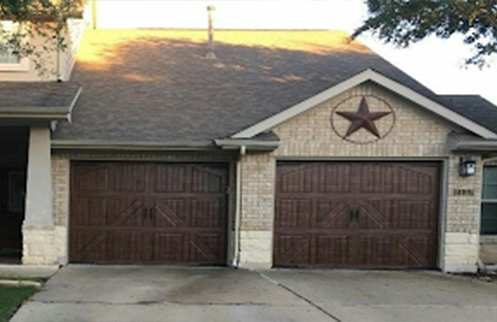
(11,298)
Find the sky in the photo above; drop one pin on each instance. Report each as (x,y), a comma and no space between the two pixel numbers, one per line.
(438,64)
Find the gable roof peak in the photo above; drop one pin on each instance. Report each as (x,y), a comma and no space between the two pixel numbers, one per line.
(368,74)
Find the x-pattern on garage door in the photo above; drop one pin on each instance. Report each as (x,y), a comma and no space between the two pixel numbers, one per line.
(171,213)
(357,214)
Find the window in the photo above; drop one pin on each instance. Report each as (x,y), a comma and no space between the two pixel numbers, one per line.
(489,201)
(9,60)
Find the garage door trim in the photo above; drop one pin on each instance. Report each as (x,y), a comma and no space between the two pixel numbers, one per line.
(442,189)
(225,167)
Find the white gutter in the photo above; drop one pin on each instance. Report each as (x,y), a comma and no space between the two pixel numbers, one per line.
(130,146)
(463,143)
(247,144)
(238,207)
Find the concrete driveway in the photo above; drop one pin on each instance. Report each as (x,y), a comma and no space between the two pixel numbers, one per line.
(98,293)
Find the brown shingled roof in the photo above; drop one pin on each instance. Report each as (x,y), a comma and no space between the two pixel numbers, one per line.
(157,85)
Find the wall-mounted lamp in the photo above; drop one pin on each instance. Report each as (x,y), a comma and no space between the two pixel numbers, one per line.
(467,167)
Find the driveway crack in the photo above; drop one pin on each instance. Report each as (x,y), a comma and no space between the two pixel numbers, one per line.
(303,298)
(154,303)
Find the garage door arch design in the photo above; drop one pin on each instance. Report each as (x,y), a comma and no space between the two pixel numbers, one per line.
(157,213)
(357,214)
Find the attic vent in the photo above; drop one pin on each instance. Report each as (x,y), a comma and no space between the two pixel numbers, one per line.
(210,54)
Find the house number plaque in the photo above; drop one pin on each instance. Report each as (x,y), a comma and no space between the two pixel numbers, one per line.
(464,192)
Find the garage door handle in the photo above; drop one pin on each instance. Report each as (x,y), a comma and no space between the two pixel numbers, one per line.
(151,213)
(354,215)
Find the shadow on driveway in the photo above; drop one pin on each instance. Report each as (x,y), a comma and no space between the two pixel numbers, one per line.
(158,293)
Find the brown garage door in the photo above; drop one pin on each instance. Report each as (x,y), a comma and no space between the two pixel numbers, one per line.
(148,213)
(357,214)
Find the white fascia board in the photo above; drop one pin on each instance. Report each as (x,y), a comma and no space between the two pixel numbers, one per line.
(129,146)
(433,106)
(367,75)
(34,116)
(71,107)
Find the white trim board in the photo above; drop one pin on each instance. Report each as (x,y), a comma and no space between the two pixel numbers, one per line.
(367,75)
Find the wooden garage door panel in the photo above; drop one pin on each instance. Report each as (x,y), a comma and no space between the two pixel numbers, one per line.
(384,216)
(397,179)
(198,212)
(148,213)
(129,177)
(207,247)
(297,213)
(92,212)
(381,251)
(91,178)
(193,178)
(171,247)
(292,249)
(299,178)
(208,213)
(333,214)
(397,214)
(333,251)
(171,212)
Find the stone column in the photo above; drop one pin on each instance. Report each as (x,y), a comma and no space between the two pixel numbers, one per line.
(462,224)
(39,211)
(42,244)
(257,210)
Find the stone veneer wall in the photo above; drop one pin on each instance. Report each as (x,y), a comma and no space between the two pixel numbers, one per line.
(417,134)
(48,245)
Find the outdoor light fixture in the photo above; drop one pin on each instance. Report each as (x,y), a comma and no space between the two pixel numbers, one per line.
(467,167)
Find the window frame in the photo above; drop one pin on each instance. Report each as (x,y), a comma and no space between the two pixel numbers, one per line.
(22,65)
(487,201)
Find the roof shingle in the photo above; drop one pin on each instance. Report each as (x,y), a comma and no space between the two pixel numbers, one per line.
(157,85)
(18,96)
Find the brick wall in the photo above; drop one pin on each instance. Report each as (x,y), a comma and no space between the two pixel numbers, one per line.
(416,133)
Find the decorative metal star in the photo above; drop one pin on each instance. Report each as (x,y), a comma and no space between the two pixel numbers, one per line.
(363,118)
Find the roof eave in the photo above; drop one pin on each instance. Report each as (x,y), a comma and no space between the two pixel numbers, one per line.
(34,115)
(248,144)
(464,143)
(131,146)
(48,113)
(474,146)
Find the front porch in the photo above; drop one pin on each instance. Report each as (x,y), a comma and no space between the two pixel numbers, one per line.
(26,212)
(13,166)
(29,111)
